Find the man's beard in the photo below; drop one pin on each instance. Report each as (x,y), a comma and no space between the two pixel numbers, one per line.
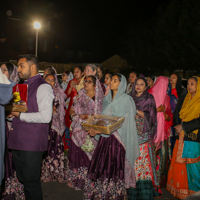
(25,76)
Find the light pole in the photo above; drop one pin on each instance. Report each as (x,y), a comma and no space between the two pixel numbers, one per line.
(36,26)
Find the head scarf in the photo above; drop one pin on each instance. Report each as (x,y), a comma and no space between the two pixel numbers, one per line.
(14,76)
(58,122)
(123,106)
(190,109)
(65,83)
(146,103)
(70,77)
(107,90)
(159,91)
(80,85)
(83,104)
(98,96)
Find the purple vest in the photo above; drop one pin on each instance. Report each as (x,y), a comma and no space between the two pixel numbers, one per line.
(29,136)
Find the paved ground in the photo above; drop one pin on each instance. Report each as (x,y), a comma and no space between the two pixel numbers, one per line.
(59,191)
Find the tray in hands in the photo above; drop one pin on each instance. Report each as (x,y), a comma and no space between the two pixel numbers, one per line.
(103,123)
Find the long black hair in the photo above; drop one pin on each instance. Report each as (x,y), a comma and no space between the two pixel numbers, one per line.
(67,72)
(10,67)
(152,77)
(80,68)
(179,87)
(110,74)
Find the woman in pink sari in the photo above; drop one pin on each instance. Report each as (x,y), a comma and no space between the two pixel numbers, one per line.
(164,123)
(88,102)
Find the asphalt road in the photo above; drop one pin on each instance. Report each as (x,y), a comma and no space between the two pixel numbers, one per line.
(59,191)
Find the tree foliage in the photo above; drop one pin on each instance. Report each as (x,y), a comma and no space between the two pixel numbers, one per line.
(169,40)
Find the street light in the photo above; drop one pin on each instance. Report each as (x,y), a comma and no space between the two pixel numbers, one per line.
(36,26)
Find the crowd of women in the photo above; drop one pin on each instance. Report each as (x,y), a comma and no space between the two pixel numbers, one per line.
(157,145)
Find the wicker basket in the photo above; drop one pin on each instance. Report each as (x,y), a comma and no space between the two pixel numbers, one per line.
(16,108)
(103,129)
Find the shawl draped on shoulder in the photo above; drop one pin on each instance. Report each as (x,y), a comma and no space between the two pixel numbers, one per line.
(190,109)
(123,106)
(58,121)
(159,91)
(146,103)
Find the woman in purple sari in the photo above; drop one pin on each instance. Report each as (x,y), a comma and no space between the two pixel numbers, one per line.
(147,183)
(53,163)
(88,102)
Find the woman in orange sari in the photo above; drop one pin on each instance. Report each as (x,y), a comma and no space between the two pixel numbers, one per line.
(184,171)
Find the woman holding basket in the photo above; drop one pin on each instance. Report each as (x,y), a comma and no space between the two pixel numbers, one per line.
(88,102)
(111,171)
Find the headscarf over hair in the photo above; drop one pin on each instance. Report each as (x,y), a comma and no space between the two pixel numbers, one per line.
(98,96)
(179,88)
(69,77)
(123,106)
(190,109)
(14,76)
(64,84)
(80,84)
(83,104)
(58,121)
(159,91)
(146,103)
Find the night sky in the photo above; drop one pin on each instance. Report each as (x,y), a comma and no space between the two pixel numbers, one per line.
(95,26)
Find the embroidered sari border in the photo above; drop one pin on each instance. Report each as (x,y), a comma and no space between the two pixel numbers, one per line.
(179,158)
(179,193)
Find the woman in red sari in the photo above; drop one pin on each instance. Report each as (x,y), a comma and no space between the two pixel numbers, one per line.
(72,90)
